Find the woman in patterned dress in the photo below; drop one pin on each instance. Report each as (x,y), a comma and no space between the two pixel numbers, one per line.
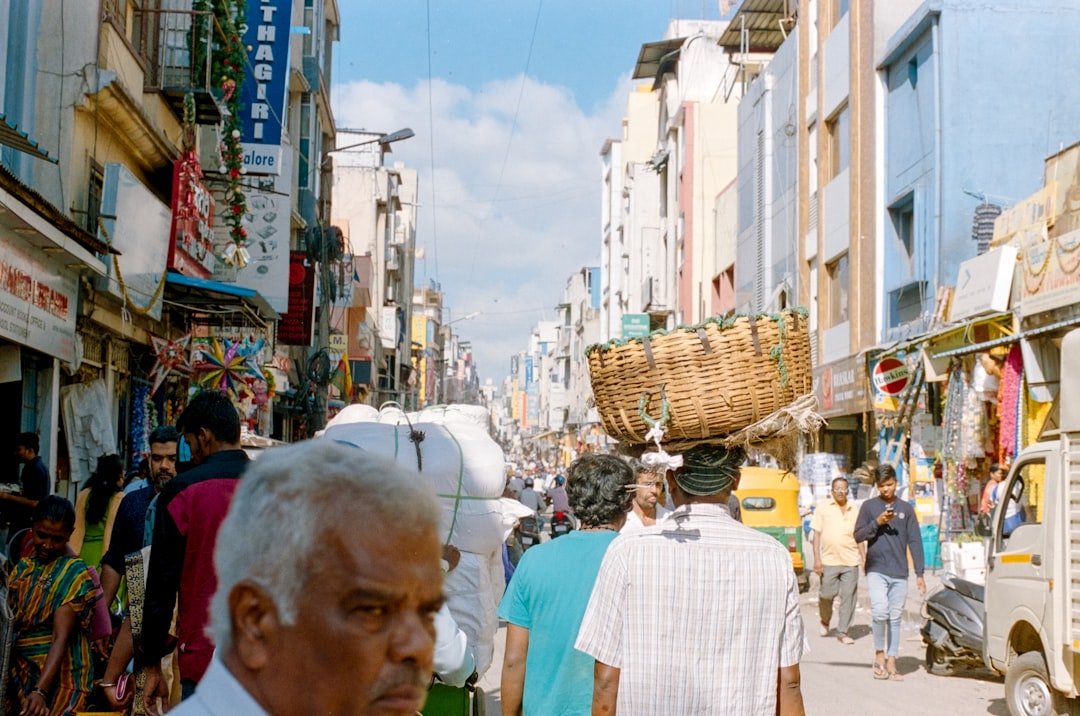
(52,596)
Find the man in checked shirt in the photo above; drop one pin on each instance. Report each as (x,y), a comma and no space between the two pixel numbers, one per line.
(732,637)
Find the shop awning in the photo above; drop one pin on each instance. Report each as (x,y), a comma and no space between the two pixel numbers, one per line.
(204,295)
(12,136)
(1005,340)
(656,58)
(767,24)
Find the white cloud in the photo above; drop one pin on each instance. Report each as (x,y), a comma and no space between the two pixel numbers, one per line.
(517,208)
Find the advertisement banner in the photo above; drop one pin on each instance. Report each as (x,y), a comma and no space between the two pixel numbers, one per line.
(841,387)
(191,240)
(1050,271)
(296,325)
(267,224)
(37,302)
(263,93)
(137,224)
(528,371)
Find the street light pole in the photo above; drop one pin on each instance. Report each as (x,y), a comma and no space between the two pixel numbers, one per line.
(322,340)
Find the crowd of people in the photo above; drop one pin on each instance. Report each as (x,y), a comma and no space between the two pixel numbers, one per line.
(226,586)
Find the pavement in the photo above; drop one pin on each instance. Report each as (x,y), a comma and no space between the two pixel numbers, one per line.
(912,605)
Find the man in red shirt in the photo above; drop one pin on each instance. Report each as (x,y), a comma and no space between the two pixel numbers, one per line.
(189,512)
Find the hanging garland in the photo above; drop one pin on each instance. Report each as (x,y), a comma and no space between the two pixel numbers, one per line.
(229,59)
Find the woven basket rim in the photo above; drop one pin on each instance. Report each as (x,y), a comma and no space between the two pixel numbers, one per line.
(721,322)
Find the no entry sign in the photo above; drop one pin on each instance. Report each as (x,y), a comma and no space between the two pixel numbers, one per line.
(890,376)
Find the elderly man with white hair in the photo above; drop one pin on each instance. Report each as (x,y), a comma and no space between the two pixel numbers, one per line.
(329,580)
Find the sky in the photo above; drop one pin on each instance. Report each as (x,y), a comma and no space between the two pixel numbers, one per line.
(511,107)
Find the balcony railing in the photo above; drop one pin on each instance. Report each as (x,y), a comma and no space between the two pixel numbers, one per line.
(177,46)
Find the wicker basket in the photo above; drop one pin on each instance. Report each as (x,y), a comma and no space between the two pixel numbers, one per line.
(709,380)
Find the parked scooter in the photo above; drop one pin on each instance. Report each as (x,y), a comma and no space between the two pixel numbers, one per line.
(561,524)
(953,631)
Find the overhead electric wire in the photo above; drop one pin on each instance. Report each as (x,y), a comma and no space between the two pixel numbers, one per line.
(431,146)
(513,124)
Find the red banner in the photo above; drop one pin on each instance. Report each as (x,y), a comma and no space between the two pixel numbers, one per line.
(191,240)
(296,324)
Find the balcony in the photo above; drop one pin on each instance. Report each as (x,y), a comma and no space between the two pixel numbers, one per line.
(176,46)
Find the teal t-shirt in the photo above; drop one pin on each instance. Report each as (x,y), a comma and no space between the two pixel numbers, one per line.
(547,595)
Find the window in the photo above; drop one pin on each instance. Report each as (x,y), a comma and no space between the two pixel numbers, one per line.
(906,303)
(1023,498)
(758,504)
(903,221)
(838,144)
(839,291)
(93,197)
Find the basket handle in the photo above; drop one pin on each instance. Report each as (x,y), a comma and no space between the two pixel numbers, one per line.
(647,345)
(704,338)
(754,336)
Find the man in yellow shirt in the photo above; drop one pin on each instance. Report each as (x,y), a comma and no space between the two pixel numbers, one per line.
(837,558)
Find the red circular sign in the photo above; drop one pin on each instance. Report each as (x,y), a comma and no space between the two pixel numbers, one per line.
(890,376)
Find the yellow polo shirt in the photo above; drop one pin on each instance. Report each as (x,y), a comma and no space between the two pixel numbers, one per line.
(837,527)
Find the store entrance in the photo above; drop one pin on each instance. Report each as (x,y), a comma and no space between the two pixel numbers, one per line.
(11,395)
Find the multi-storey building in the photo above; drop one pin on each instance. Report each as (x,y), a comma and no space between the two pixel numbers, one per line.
(134,228)
(376,207)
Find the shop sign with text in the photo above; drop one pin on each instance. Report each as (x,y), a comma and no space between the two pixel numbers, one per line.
(841,388)
(37,302)
(263,91)
(191,241)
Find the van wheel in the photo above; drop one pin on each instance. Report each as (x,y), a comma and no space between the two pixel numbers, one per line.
(1027,688)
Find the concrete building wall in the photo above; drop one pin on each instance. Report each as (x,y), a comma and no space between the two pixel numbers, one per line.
(962,118)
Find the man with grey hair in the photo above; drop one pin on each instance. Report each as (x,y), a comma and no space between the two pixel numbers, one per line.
(731,635)
(329,580)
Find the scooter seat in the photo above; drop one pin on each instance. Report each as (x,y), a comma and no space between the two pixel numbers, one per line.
(969,589)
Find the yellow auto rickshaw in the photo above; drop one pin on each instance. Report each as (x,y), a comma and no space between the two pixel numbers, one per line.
(769,500)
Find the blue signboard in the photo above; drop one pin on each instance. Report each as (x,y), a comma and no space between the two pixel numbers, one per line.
(263,92)
(528,371)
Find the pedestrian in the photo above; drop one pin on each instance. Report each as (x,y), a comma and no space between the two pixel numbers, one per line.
(95,510)
(128,538)
(324,605)
(187,516)
(52,597)
(542,672)
(33,483)
(987,502)
(837,557)
(717,630)
(645,508)
(890,529)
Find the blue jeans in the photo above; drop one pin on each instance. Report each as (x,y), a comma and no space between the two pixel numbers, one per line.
(887,595)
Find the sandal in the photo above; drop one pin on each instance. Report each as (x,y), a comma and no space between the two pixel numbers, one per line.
(879,671)
(895,676)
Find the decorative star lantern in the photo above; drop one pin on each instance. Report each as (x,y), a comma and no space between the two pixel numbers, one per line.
(230,364)
(170,356)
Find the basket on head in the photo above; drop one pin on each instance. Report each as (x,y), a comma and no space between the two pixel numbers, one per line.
(707,380)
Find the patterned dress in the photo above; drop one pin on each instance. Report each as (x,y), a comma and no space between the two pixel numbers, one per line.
(35,591)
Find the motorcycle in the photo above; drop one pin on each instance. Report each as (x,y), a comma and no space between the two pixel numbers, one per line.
(528,532)
(953,631)
(561,524)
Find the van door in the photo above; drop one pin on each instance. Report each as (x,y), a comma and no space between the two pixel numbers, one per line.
(1018,565)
